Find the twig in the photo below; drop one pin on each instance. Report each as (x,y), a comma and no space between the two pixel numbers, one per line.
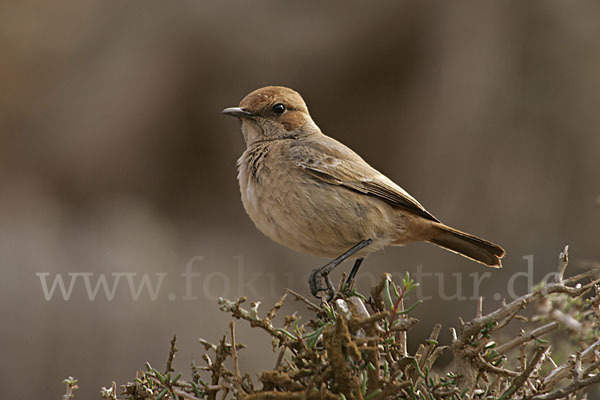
(311,306)
(252,317)
(563,262)
(516,305)
(534,334)
(589,352)
(377,291)
(591,367)
(430,346)
(276,307)
(185,395)
(169,367)
(573,387)
(234,353)
(71,387)
(587,274)
(520,380)
(481,363)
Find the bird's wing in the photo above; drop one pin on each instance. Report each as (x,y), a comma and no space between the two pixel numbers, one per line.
(331,162)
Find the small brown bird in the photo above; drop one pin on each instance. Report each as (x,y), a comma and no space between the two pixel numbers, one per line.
(313,194)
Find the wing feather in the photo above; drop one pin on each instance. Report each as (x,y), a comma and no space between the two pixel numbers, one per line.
(331,162)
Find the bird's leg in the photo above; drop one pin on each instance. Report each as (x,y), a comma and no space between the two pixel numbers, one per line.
(353,273)
(321,275)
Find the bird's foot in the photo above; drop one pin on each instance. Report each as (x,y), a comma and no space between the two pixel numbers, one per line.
(347,286)
(320,285)
(319,281)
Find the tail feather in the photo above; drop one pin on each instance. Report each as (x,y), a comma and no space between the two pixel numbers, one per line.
(469,246)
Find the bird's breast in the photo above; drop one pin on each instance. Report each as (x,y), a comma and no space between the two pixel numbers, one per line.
(292,208)
(260,185)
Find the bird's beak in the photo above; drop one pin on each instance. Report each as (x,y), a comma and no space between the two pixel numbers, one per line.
(237,112)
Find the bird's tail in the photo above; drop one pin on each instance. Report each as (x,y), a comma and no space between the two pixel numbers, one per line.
(469,246)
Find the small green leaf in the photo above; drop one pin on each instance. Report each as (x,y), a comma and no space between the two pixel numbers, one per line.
(409,309)
(363,384)
(196,391)
(290,335)
(388,296)
(373,394)
(162,394)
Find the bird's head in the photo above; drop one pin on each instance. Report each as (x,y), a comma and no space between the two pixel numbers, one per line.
(273,112)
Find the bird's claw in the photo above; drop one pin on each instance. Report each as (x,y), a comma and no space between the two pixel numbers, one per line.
(321,286)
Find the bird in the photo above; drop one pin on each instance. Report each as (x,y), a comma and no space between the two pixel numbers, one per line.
(312,194)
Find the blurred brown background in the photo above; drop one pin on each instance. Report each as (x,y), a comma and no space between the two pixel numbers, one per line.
(114,157)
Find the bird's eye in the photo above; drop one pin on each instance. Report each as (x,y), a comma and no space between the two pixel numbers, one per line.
(278,108)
